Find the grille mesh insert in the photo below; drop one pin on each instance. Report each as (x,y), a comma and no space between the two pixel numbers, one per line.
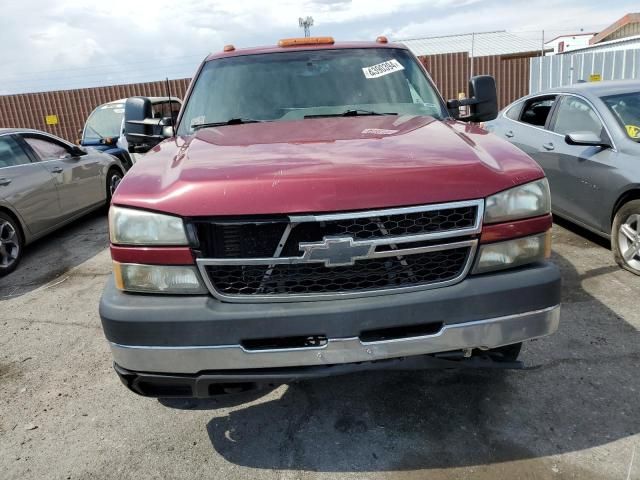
(371,274)
(255,239)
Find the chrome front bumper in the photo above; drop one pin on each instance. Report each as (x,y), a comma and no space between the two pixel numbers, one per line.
(488,333)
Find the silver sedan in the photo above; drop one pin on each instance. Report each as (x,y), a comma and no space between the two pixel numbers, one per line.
(586,137)
(45,183)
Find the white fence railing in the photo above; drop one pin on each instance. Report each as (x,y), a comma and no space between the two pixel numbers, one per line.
(569,68)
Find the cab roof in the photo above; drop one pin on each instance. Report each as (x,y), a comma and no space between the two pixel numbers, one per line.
(324,46)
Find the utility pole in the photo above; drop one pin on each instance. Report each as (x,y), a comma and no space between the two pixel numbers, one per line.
(306,23)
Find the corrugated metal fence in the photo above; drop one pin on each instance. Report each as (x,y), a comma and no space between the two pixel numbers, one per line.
(569,68)
(72,107)
(451,73)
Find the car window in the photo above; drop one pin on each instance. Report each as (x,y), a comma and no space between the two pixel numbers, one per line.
(576,115)
(104,122)
(163,109)
(536,111)
(11,153)
(46,149)
(513,112)
(626,108)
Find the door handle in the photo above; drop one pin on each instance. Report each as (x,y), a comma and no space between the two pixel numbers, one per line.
(548,146)
(57,170)
(509,134)
(4,182)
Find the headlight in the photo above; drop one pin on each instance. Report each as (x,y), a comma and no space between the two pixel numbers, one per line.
(524,201)
(169,279)
(513,253)
(138,227)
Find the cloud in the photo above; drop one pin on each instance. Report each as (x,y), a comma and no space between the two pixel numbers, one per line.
(71,43)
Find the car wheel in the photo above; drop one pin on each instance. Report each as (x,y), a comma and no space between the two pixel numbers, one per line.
(625,236)
(113,180)
(11,244)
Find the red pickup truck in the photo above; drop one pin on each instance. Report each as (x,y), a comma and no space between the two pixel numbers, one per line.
(317,210)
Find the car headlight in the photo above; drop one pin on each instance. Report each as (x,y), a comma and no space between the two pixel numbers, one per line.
(138,227)
(513,253)
(168,279)
(524,201)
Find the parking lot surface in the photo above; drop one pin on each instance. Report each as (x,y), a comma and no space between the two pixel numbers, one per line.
(572,412)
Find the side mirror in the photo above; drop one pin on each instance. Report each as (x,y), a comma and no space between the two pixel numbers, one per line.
(77,151)
(586,139)
(483,104)
(142,131)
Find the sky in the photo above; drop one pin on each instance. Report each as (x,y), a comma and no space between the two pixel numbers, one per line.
(63,44)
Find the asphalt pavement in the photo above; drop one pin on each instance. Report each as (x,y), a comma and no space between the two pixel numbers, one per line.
(572,412)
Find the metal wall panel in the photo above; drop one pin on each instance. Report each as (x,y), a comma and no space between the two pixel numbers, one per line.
(449,71)
(73,106)
(567,69)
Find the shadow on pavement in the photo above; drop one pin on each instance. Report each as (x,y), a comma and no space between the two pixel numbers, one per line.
(579,389)
(582,232)
(221,401)
(51,256)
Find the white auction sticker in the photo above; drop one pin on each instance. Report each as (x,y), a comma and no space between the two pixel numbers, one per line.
(382,69)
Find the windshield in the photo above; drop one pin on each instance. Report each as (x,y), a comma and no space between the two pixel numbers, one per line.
(294,85)
(105,121)
(626,108)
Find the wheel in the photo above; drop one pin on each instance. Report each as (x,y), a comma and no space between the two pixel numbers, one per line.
(625,236)
(11,243)
(114,176)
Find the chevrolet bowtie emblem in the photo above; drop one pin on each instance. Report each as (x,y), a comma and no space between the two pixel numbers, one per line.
(336,251)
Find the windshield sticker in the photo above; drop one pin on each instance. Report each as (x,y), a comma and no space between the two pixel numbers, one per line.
(633,131)
(378,131)
(382,69)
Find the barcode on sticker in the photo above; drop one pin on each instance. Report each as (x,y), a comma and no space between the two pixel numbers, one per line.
(382,69)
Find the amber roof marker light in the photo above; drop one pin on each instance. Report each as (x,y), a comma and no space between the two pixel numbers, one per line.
(228,48)
(294,42)
(382,39)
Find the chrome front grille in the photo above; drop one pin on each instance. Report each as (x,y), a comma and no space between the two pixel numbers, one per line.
(311,257)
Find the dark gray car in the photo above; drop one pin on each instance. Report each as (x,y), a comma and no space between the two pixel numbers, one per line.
(586,137)
(45,183)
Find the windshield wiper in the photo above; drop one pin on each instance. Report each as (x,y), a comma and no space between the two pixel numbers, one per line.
(350,113)
(232,121)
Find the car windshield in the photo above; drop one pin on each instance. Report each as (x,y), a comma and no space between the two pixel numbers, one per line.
(105,121)
(626,108)
(303,84)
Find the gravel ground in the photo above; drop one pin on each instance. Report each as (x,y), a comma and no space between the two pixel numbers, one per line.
(572,412)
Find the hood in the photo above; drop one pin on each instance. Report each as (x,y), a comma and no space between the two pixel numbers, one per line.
(323,165)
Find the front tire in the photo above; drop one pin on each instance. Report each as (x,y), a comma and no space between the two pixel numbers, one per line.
(11,244)
(114,177)
(625,237)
